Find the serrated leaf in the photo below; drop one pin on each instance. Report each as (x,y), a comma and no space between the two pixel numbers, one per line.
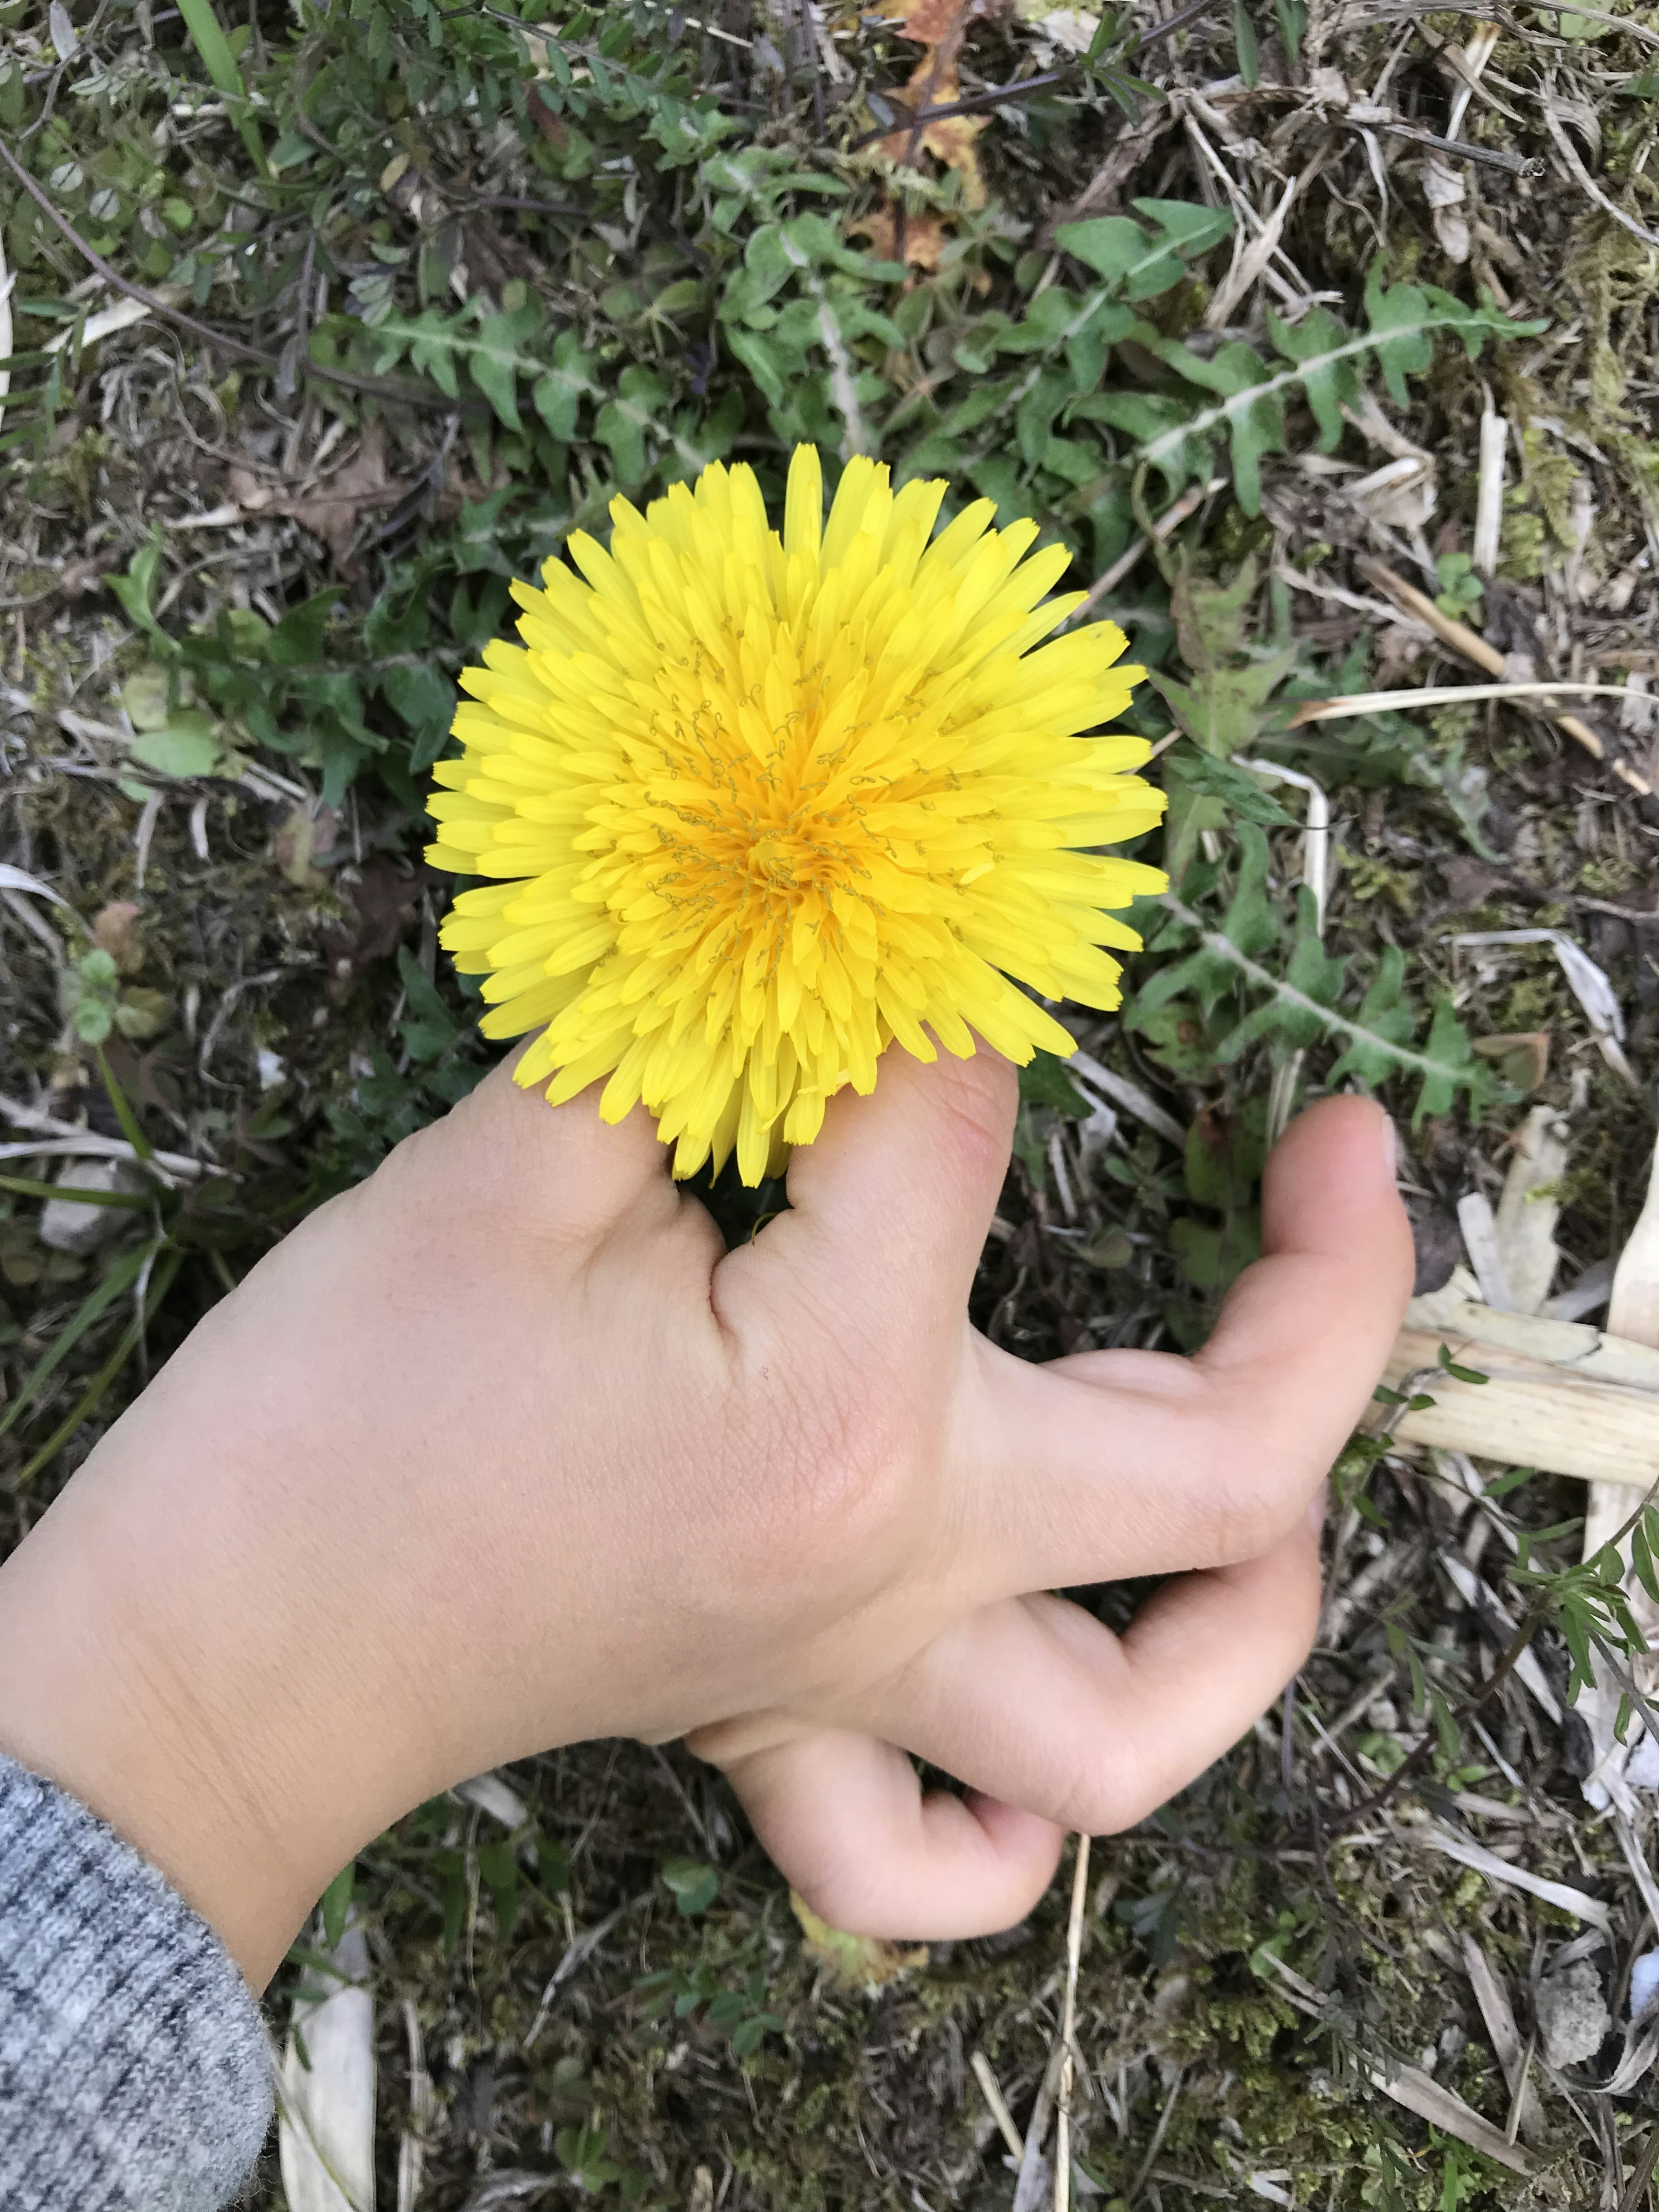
(1130,258)
(1251,922)
(1241,794)
(494,363)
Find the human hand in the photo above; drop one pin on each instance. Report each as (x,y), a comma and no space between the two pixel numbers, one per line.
(501,1449)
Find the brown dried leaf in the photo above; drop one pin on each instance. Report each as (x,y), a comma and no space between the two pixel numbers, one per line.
(113,932)
(925,237)
(306,833)
(941,26)
(333,510)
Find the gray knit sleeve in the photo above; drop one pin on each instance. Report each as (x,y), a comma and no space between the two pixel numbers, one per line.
(134,2074)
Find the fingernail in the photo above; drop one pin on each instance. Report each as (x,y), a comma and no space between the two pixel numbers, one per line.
(1316,1510)
(1390,1147)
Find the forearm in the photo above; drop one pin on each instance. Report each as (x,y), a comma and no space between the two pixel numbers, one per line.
(138,1679)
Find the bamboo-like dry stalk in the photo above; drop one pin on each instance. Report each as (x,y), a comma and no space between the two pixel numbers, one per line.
(1561,1396)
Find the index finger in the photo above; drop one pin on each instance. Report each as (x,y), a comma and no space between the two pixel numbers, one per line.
(1111,1464)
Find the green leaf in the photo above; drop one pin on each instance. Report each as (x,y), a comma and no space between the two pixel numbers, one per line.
(337,1902)
(187,746)
(1188,227)
(1459,1374)
(124,1271)
(1641,1552)
(428,1027)
(1137,263)
(499,1869)
(1043,1082)
(208,37)
(137,590)
(693,1887)
(749,2034)
(494,363)
(1241,794)
(1244,42)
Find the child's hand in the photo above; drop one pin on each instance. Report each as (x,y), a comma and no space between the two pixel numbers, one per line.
(500,1450)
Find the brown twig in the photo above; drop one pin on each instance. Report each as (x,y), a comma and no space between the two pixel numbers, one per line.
(1474,649)
(1529,165)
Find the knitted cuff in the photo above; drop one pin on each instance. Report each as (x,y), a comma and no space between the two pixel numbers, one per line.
(134,2069)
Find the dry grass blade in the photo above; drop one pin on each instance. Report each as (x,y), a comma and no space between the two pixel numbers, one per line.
(1525,2116)
(991,2089)
(1637,2188)
(1421,2093)
(1633,1312)
(1129,1095)
(1450,694)
(1575,1901)
(1582,177)
(7,280)
(1159,2134)
(1068,2027)
(326,2109)
(1489,492)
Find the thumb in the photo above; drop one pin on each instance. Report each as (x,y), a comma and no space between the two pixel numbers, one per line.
(894,1199)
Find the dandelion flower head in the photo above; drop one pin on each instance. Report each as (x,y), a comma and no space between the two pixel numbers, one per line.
(760,805)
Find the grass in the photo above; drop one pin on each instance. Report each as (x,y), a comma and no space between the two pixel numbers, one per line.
(414,292)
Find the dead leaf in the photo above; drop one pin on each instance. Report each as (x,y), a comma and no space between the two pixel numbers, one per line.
(81,577)
(1522,1057)
(856,1962)
(941,26)
(306,833)
(384,902)
(333,510)
(1443,189)
(113,932)
(925,237)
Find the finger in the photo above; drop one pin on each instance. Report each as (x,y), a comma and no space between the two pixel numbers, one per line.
(844,1819)
(1034,1700)
(892,1204)
(578,1175)
(1121,1463)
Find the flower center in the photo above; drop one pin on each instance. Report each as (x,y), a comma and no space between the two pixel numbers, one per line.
(776,859)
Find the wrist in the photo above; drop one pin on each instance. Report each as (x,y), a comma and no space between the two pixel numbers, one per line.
(134,1674)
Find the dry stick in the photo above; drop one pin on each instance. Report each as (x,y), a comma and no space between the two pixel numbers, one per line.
(1068,2028)
(1159,2134)
(1530,167)
(1473,648)
(236,348)
(992,2089)
(6,282)
(1632,2199)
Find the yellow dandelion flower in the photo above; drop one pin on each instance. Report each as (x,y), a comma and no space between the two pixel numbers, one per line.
(763,805)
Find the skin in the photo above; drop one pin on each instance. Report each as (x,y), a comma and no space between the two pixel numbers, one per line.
(500,1450)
